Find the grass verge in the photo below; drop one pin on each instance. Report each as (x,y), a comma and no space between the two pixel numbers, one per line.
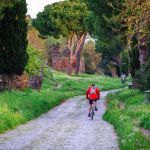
(128,113)
(18,107)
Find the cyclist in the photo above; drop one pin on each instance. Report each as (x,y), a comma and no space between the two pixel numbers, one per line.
(92,94)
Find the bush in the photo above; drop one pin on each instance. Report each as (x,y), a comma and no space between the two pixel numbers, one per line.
(36,60)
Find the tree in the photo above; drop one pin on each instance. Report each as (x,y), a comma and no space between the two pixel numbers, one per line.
(125,62)
(65,19)
(134,61)
(101,27)
(134,19)
(13,39)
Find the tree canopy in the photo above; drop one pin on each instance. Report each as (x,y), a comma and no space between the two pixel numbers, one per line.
(61,18)
(6,3)
(102,27)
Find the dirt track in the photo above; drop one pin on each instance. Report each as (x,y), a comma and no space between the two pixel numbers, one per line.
(66,127)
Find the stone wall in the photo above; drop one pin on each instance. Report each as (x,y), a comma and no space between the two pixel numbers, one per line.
(13,82)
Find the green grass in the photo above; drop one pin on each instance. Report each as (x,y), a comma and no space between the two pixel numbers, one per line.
(18,107)
(128,119)
(145,121)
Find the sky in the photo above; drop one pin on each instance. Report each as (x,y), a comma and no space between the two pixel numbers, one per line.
(35,6)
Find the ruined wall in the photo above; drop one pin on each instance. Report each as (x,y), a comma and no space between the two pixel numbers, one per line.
(13,82)
(59,58)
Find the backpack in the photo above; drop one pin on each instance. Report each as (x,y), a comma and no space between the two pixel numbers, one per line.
(93,90)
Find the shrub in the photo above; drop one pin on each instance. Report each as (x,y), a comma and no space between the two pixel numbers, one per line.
(145,121)
(36,60)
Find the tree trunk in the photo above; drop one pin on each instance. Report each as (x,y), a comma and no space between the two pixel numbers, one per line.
(133,58)
(70,45)
(78,52)
(117,62)
(134,83)
(75,43)
(69,64)
(78,58)
(143,51)
(143,40)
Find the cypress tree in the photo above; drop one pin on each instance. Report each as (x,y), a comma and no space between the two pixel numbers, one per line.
(13,39)
(134,57)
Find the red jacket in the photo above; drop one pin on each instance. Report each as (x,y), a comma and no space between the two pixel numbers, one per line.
(93,96)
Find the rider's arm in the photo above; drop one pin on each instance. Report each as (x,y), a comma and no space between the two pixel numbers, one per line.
(87,93)
(98,93)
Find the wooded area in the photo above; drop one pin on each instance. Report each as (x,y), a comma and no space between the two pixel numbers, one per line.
(119,29)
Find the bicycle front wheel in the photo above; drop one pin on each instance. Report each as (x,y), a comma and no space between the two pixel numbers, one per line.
(92,115)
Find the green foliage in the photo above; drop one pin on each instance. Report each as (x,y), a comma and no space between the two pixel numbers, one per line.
(51,40)
(109,49)
(61,18)
(125,110)
(6,3)
(134,58)
(125,61)
(18,107)
(36,60)
(129,18)
(101,26)
(97,22)
(146,76)
(13,43)
(145,121)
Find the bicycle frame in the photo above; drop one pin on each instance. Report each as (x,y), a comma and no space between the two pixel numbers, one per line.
(92,111)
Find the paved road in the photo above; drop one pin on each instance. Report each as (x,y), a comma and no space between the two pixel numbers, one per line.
(66,127)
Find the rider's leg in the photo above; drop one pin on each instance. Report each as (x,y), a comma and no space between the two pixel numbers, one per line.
(95,103)
(90,108)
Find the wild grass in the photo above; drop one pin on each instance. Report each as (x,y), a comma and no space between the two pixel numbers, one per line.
(18,107)
(127,112)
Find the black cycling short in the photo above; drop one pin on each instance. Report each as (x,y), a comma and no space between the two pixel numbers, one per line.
(91,102)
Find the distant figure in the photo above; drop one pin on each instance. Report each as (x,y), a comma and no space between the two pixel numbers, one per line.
(123,79)
(92,94)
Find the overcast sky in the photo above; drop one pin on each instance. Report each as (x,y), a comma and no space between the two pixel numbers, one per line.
(35,6)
